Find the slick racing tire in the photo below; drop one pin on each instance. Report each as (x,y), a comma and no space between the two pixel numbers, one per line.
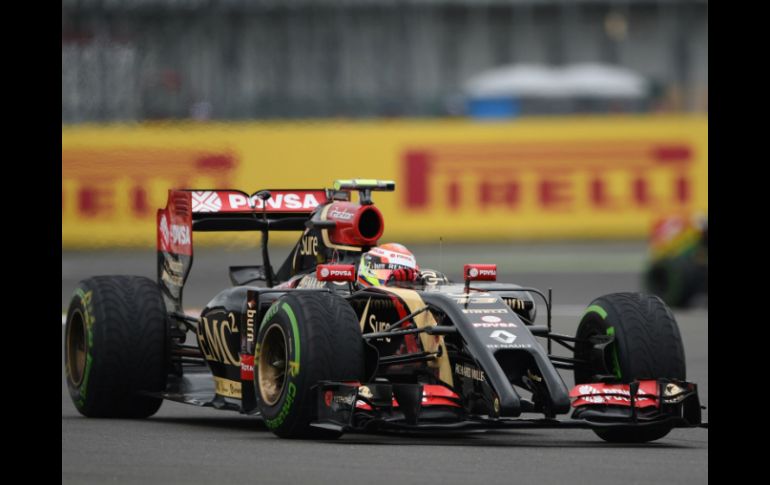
(647,345)
(115,347)
(304,338)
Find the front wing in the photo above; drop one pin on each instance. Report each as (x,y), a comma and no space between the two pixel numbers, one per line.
(416,408)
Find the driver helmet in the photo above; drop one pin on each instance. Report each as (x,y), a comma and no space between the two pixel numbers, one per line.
(379,263)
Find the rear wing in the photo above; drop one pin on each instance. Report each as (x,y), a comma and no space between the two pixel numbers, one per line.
(234,210)
(188,211)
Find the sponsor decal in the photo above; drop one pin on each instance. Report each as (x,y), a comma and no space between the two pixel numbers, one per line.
(328,395)
(503,336)
(377,326)
(335,272)
(491,319)
(227,387)
(477,311)
(291,392)
(308,246)
(180,235)
(206,201)
(475,299)
(487,272)
(494,325)
(344,400)
(470,372)
(214,338)
(509,346)
(279,201)
(247,367)
(250,320)
(341,215)
(618,394)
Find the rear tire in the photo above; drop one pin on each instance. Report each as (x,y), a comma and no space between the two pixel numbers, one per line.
(304,338)
(115,347)
(647,345)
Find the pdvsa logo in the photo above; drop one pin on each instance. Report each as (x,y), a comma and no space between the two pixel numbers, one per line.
(180,235)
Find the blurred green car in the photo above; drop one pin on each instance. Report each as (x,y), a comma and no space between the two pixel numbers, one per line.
(678,271)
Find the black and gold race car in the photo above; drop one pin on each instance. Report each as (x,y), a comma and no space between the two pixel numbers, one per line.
(315,354)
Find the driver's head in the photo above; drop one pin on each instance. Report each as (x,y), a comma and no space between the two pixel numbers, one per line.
(379,264)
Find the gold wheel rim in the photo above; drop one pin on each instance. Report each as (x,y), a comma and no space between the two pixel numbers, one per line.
(76,347)
(273,364)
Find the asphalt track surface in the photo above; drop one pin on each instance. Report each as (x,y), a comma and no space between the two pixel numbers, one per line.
(187,444)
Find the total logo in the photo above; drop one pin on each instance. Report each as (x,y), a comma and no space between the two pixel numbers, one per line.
(503,336)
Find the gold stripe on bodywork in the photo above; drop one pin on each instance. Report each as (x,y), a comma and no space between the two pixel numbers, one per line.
(364,315)
(430,343)
(227,388)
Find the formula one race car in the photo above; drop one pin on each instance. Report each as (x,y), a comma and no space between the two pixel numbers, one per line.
(678,271)
(322,346)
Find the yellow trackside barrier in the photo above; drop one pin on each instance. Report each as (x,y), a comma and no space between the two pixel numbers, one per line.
(538,178)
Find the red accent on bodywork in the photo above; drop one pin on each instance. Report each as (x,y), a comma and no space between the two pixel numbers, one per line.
(247,367)
(615,394)
(362,405)
(174,224)
(437,395)
(438,401)
(410,340)
(335,272)
(432,395)
(348,230)
(480,272)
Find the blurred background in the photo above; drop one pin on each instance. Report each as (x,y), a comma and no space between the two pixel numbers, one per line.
(549,135)
(138,60)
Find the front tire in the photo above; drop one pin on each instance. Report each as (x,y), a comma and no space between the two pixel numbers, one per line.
(304,338)
(647,345)
(115,347)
